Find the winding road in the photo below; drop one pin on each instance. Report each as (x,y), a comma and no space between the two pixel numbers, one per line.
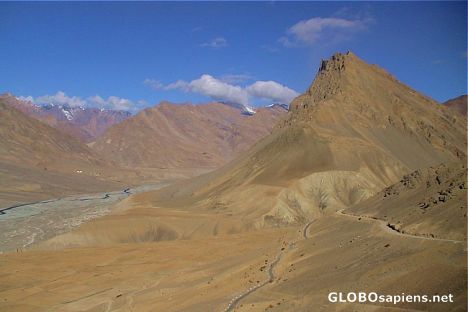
(271,272)
(390,229)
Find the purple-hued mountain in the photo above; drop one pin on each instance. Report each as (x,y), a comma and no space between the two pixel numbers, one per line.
(84,123)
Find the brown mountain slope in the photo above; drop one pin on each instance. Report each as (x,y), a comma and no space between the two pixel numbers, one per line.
(83,123)
(429,202)
(459,104)
(38,162)
(25,140)
(185,136)
(355,131)
(336,148)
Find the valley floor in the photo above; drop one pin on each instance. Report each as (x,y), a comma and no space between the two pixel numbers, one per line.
(296,268)
(24,225)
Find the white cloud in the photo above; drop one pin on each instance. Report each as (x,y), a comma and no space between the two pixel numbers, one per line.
(97,100)
(236,78)
(155,84)
(25,98)
(179,84)
(220,90)
(158,85)
(142,103)
(216,43)
(61,99)
(118,103)
(217,90)
(272,90)
(196,29)
(112,102)
(286,42)
(314,29)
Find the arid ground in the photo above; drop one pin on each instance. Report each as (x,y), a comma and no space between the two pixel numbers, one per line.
(361,187)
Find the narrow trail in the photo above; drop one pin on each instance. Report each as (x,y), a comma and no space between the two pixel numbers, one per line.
(306,228)
(271,272)
(387,227)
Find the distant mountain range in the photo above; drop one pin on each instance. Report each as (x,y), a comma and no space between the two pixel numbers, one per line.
(173,135)
(186,135)
(89,123)
(84,123)
(458,104)
(48,151)
(38,161)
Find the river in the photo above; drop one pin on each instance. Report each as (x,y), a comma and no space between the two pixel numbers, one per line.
(23,225)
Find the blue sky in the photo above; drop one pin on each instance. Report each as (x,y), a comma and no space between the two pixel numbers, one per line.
(132,55)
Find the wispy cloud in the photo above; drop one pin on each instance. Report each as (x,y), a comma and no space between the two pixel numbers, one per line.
(113,102)
(216,43)
(142,103)
(62,99)
(332,29)
(155,84)
(236,78)
(196,29)
(438,62)
(221,90)
(271,48)
(25,98)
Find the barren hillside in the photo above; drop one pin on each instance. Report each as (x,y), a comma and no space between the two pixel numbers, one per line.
(185,135)
(83,123)
(459,104)
(354,132)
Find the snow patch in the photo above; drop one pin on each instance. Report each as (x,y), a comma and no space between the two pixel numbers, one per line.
(67,114)
(282,105)
(249,110)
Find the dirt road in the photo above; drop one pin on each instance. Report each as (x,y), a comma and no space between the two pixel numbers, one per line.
(392,230)
(271,272)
